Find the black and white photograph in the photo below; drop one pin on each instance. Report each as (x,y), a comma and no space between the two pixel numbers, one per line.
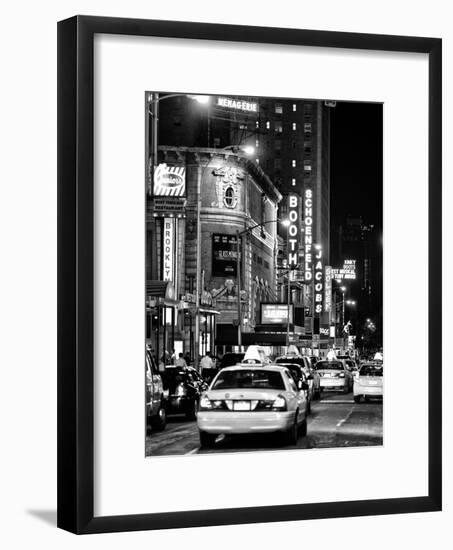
(264,248)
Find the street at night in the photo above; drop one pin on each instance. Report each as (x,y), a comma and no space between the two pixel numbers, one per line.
(335,421)
(263,274)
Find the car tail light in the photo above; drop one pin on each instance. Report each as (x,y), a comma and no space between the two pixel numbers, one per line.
(341,375)
(209,405)
(279,404)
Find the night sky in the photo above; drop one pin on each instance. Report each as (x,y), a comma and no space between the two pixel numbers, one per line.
(356,163)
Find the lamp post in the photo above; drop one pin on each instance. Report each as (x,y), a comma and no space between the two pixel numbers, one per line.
(153,102)
(238,272)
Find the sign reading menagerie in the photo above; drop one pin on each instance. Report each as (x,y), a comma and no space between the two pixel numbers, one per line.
(239,105)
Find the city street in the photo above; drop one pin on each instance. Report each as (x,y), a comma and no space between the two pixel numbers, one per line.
(335,421)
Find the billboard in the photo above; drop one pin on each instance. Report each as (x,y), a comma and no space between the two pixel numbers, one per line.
(276,314)
(224,255)
(169,181)
(348,271)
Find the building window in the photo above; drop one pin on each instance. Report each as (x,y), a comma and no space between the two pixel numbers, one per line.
(293,163)
(307,147)
(307,127)
(277,163)
(216,142)
(278,144)
(294,107)
(293,144)
(293,181)
(257,143)
(308,107)
(257,124)
(278,108)
(259,259)
(229,197)
(268,125)
(278,129)
(294,126)
(266,264)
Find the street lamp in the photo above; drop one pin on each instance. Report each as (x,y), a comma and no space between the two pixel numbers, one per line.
(238,272)
(153,100)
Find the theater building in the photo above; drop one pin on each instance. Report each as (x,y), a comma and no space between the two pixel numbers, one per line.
(203,198)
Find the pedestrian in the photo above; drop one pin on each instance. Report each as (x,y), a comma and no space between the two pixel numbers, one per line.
(207,367)
(181,362)
(173,357)
(187,358)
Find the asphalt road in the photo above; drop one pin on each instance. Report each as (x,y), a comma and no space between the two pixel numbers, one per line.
(335,421)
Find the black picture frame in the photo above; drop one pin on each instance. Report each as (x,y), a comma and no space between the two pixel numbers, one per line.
(76,261)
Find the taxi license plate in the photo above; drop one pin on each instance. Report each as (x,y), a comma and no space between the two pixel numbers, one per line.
(241,405)
(372,383)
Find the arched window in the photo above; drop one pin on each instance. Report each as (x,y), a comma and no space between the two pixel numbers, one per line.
(228,197)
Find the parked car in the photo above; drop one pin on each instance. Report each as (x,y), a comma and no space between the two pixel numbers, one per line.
(156,415)
(184,386)
(252,399)
(334,375)
(301,379)
(305,363)
(368,382)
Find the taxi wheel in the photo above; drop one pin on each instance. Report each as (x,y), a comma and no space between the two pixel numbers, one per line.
(357,398)
(191,414)
(207,440)
(303,428)
(292,435)
(160,421)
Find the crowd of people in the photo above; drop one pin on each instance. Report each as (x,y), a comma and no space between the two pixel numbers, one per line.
(208,364)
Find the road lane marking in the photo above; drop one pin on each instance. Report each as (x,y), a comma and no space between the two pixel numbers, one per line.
(193,451)
(345,419)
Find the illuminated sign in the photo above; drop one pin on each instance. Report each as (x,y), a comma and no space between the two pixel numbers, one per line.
(276,314)
(347,272)
(318,282)
(169,181)
(293,230)
(168,253)
(236,104)
(328,289)
(224,255)
(308,239)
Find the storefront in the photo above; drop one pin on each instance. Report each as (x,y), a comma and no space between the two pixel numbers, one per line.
(161,319)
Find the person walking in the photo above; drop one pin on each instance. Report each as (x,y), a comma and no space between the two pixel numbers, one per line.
(181,362)
(207,367)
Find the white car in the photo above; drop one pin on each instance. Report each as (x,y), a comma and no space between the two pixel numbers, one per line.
(334,375)
(368,381)
(252,399)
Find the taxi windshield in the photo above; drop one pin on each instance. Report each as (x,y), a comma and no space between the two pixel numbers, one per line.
(329,365)
(371,370)
(249,379)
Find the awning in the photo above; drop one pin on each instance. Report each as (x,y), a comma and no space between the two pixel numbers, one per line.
(227,335)
(163,292)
